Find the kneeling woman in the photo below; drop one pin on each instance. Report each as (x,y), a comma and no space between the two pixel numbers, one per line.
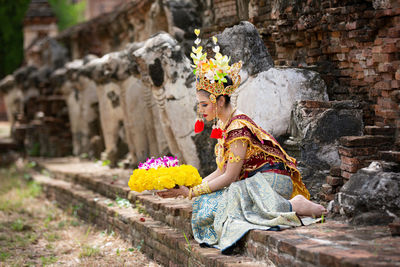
(256,184)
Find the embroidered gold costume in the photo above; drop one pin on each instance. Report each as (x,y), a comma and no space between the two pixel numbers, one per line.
(262,149)
(268,178)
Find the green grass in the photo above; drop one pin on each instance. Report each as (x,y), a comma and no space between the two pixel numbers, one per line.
(88,251)
(17,225)
(14,190)
(48,260)
(51,237)
(4,256)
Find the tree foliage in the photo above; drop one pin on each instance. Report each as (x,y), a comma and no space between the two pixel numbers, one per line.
(68,14)
(11,35)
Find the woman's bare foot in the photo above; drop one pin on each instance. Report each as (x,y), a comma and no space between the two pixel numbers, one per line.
(305,207)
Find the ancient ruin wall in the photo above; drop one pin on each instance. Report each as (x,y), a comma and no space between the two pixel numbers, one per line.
(134,21)
(353,44)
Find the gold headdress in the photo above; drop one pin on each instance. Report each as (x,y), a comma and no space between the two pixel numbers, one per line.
(211,73)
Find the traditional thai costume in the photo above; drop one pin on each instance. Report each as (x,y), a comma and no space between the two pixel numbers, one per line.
(268,177)
(259,200)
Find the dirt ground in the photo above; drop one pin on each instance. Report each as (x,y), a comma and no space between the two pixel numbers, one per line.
(35,232)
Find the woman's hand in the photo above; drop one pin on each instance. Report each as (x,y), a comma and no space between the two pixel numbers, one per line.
(174,192)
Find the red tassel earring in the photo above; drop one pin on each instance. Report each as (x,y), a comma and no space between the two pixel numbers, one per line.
(199,125)
(216,131)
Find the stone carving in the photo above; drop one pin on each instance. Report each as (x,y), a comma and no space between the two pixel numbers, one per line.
(26,81)
(111,114)
(139,110)
(81,98)
(320,127)
(146,95)
(269,97)
(13,97)
(371,196)
(242,42)
(315,129)
(166,70)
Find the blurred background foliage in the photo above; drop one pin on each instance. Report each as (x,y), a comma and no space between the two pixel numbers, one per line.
(68,14)
(12,13)
(11,36)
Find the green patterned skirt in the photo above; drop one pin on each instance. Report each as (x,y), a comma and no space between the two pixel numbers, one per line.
(261,202)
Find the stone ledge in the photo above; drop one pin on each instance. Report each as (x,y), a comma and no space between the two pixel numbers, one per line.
(328,244)
(376,130)
(160,242)
(365,141)
(393,156)
(112,183)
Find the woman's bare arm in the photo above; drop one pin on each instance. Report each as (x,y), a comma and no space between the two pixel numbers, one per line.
(235,162)
(218,179)
(213,175)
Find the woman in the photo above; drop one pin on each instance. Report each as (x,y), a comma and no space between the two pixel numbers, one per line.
(256,184)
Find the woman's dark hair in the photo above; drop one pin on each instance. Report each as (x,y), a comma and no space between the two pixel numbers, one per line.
(226,84)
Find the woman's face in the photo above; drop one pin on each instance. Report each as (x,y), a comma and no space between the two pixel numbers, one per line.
(206,108)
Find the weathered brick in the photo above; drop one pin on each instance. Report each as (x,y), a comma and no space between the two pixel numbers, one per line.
(306,253)
(262,253)
(389,114)
(334,180)
(385,93)
(393,156)
(344,65)
(395,84)
(387,103)
(397,75)
(394,32)
(287,247)
(364,141)
(385,67)
(383,57)
(346,175)
(383,85)
(350,168)
(280,259)
(326,189)
(315,104)
(327,197)
(375,130)
(335,171)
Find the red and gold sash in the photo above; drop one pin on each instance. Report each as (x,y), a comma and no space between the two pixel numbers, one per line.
(262,149)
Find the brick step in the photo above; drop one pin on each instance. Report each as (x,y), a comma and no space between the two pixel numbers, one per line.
(344,104)
(366,141)
(376,130)
(328,244)
(160,242)
(113,183)
(390,156)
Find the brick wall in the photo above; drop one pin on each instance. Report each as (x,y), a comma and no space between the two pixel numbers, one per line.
(355,46)
(225,11)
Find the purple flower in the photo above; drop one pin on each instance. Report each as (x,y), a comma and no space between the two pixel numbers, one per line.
(166,162)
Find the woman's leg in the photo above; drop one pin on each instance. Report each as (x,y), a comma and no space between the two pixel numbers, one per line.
(305,207)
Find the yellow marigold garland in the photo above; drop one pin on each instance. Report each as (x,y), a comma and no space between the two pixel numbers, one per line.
(164,178)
